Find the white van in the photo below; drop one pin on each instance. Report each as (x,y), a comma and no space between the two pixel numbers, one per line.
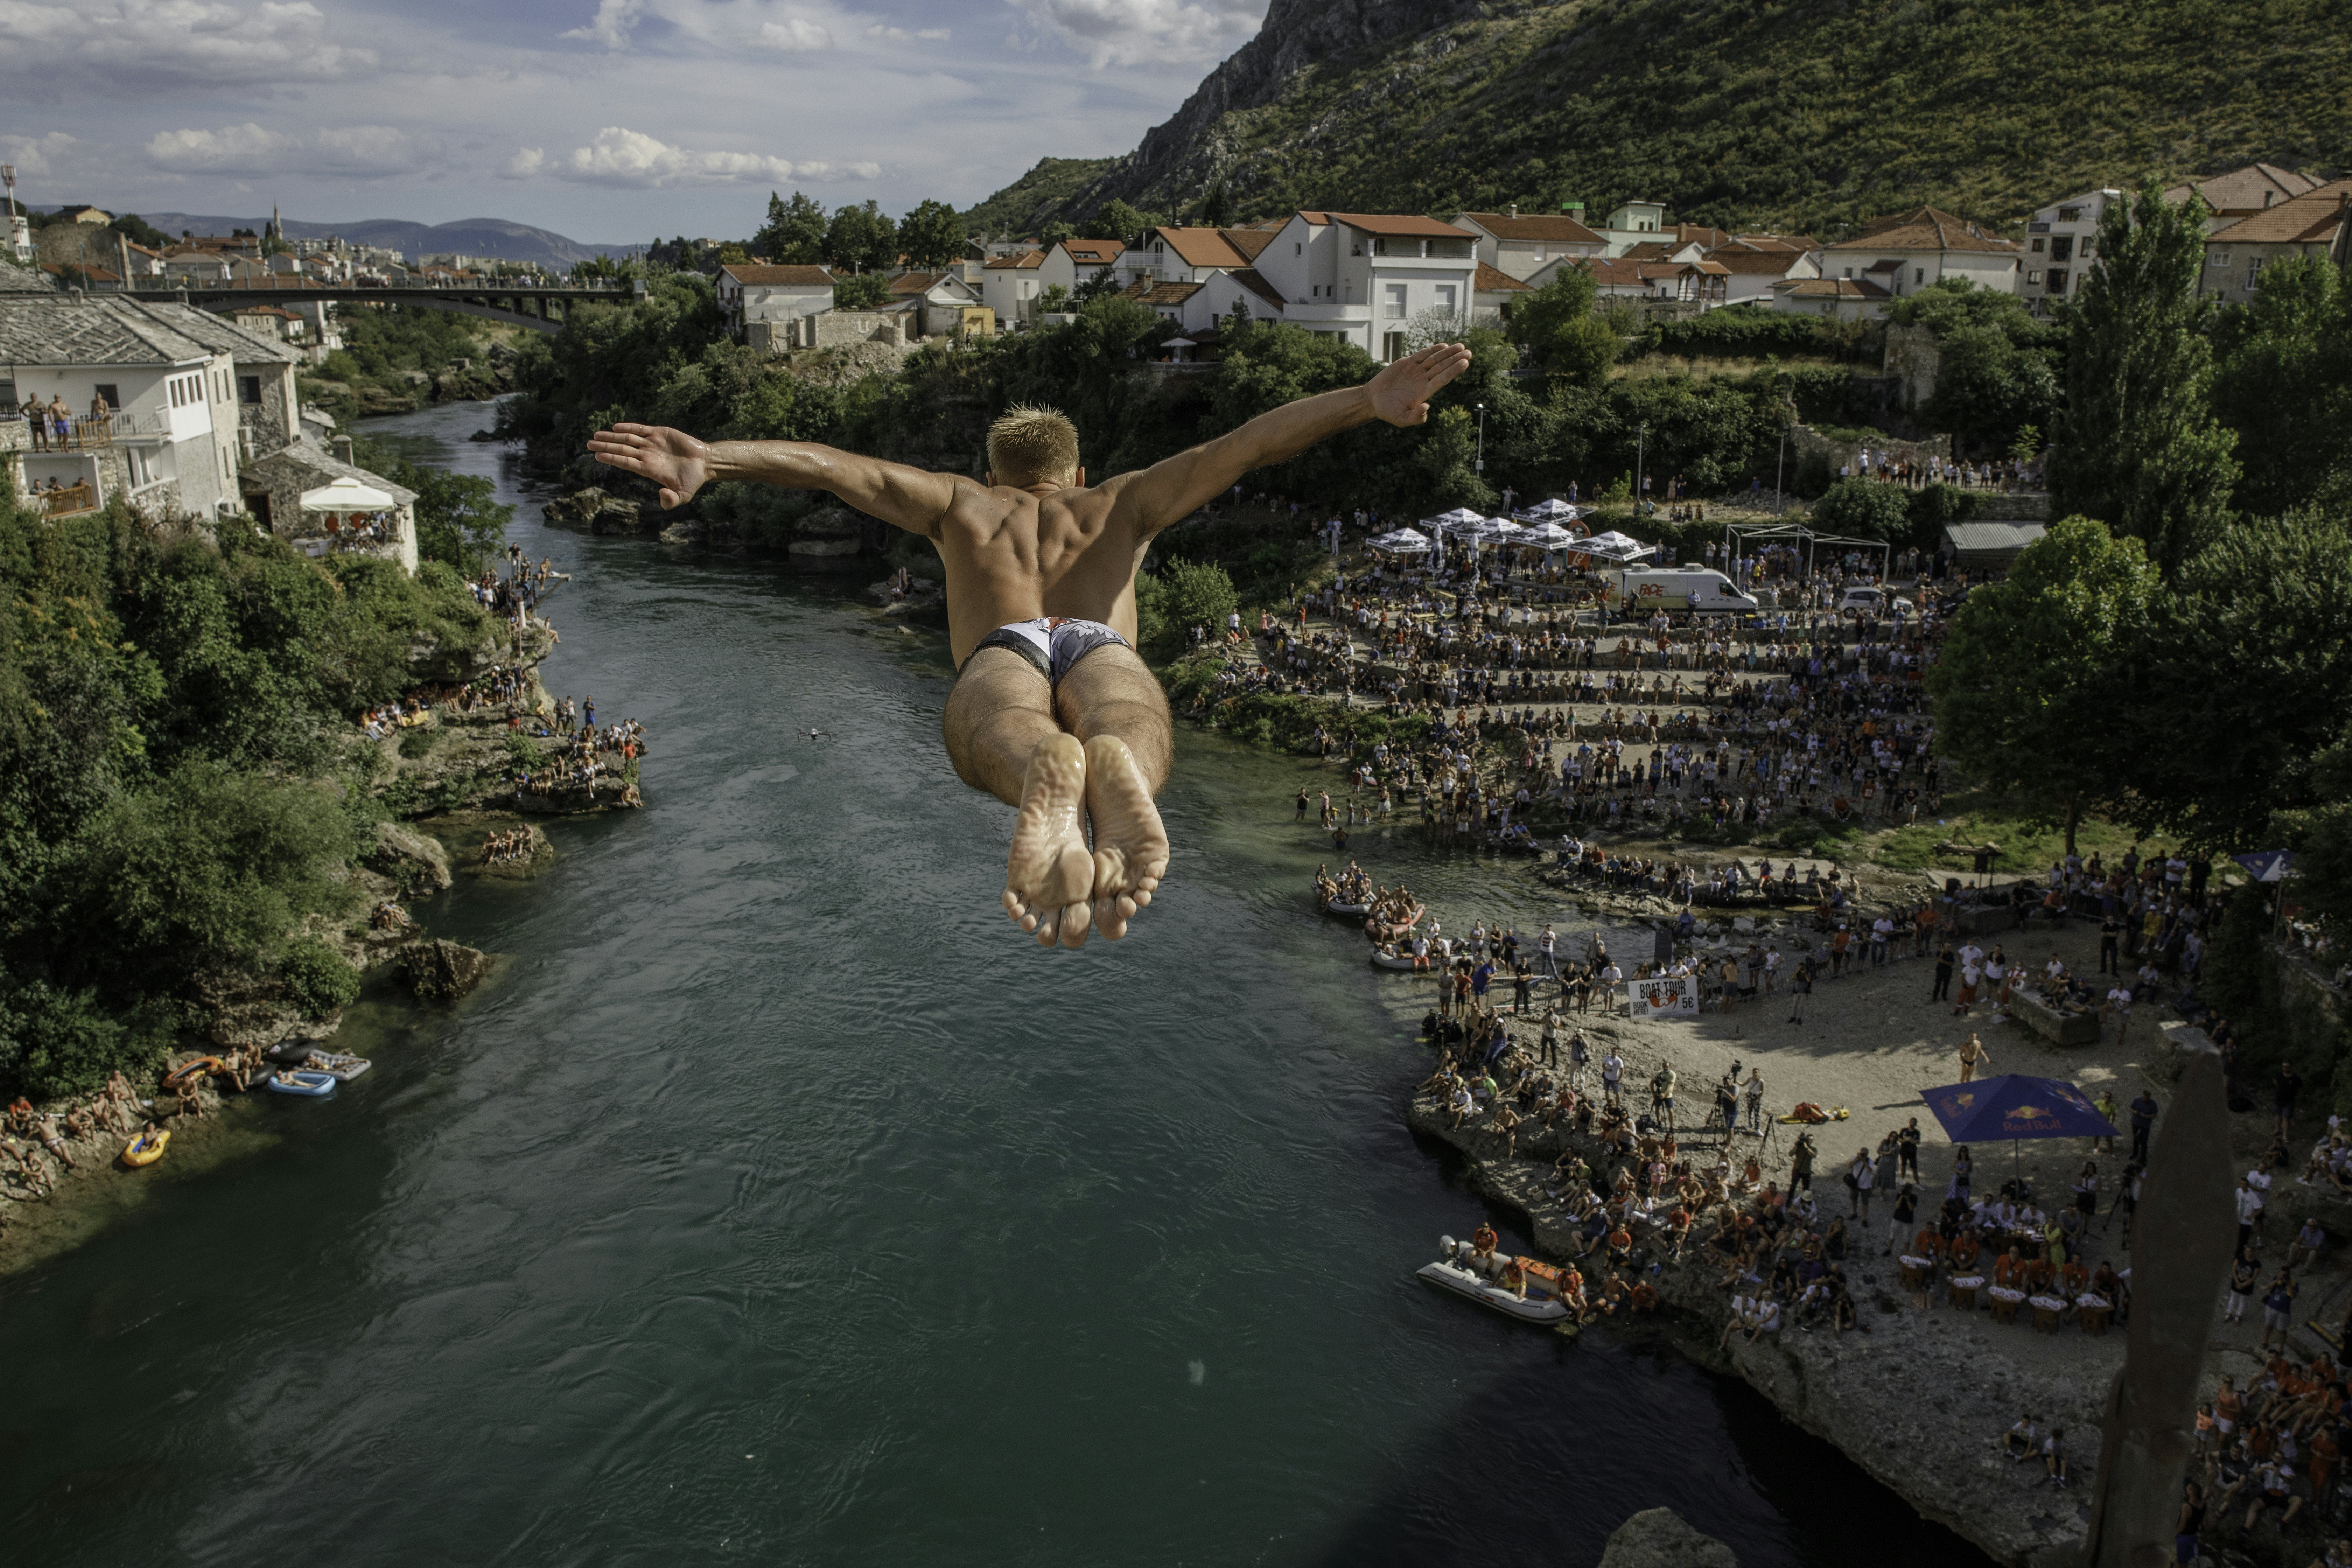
(1872,601)
(1685,587)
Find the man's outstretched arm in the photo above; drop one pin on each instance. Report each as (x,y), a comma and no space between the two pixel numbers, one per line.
(680,465)
(1173,487)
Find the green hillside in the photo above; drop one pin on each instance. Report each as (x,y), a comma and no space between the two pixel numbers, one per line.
(1026,203)
(1752,112)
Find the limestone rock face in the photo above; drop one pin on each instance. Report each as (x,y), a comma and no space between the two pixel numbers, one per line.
(442,970)
(1659,1538)
(418,864)
(596,509)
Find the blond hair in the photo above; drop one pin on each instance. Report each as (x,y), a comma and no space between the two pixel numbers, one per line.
(1028,446)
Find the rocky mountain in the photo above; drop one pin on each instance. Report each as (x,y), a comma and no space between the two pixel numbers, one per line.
(494,238)
(1796,114)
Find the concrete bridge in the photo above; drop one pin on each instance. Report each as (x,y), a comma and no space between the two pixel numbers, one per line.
(542,308)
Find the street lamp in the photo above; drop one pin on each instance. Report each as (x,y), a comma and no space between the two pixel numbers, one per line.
(1481,466)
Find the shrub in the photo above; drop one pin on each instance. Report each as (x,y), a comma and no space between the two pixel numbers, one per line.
(1865,509)
(318,977)
(1198,594)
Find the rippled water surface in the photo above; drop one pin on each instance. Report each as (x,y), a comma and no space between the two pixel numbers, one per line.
(778,1203)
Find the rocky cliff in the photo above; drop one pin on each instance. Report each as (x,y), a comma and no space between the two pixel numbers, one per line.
(1796,116)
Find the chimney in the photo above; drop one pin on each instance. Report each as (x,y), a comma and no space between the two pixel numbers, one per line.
(1515,209)
(342,448)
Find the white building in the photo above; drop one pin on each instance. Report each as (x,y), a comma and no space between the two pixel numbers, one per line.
(2317,223)
(1072,263)
(1754,265)
(1520,247)
(937,299)
(2059,241)
(1009,285)
(1904,254)
(1369,277)
(779,295)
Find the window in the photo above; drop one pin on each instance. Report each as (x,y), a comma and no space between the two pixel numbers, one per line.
(1393,305)
(1918,275)
(2062,247)
(106,394)
(1297,247)
(1446,297)
(1540,253)
(1849,271)
(2070,215)
(2219,258)
(248,389)
(1379,247)
(2037,247)
(8,395)
(2090,246)
(1393,345)
(2035,279)
(2057,280)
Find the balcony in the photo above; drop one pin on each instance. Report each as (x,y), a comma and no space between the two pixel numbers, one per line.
(68,501)
(83,434)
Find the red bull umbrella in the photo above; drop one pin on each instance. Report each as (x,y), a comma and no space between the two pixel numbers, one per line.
(2014,1106)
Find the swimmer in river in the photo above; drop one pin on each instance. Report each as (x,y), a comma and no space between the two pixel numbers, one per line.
(1054,712)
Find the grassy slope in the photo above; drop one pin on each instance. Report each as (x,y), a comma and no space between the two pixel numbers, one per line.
(1800,116)
(1026,203)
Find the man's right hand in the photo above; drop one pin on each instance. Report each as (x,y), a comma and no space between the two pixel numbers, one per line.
(1400,393)
(673,459)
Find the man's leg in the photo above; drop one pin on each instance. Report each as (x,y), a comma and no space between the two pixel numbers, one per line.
(1001,738)
(1110,700)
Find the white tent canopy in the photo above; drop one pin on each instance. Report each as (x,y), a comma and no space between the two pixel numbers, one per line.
(1549,536)
(347,494)
(1503,528)
(1615,546)
(1401,542)
(1552,511)
(1457,519)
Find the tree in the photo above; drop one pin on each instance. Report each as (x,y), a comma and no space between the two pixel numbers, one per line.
(2138,446)
(2247,682)
(1055,299)
(1865,509)
(2034,673)
(931,235)
(860,291)
(2285,385)
(1053,233)
(1118,221)
(1103,282)
(794,232)
(1563,336)
(860,238)
(1198,594)
(1217,207)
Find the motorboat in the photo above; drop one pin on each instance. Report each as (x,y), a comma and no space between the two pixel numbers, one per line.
(341,1068)
(145,1148)
(1455,1271)
(303,1081)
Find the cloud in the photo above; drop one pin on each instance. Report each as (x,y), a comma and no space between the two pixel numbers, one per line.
(901,35)
(1134,32)
(632,159)
(795,35)
(106,46)
(360,152)
(42,157)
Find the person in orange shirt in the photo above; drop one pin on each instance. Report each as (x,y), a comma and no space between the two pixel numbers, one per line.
(1838,945)
(2009,1273)
(1928,1243)
(2326,1454)
(1966,1250)
(2074,1279)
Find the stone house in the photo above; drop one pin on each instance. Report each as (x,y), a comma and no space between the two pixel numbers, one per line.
(751,293)
(2318,223)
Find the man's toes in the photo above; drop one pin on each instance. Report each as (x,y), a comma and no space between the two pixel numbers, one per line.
(1071,925)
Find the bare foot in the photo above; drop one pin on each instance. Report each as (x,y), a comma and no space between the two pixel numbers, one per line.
(1130,845)
(1049,874)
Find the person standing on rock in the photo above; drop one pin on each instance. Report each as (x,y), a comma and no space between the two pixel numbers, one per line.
(1053,712)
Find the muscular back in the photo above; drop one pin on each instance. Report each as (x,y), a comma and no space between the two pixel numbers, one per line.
(1013,555)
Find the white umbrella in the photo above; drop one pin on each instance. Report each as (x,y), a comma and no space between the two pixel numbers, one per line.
(1458,516)
(1402,539)
(346,494)
(1551,536)
(1502,530)
(1614,544)
(1554,509)
(1179,343)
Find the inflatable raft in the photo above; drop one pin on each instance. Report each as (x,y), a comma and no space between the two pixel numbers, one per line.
(341,1068)
(1541,1305)
(145,1148)
(1341,907)
(303,1081)
(1391,960)
(188,1072)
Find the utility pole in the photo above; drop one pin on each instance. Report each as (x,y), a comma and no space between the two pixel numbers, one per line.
(1481,465)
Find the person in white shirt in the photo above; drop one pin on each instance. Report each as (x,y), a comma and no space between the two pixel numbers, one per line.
(1882,932)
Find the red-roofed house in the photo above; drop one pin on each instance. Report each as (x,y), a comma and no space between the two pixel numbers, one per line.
(2318,223)
(1847,300)
(1009,285)
(1072,263)
(1905,253)
(781,296)
(1368,276)
(1522,246)
(1751,269)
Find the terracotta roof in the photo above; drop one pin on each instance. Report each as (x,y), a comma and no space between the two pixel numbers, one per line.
(2251,188)
(1613,272)
(758,275)
(1094,252)
(1556,229)
(95,274)
(1834,287)
(1017,263)
(1392,225)
(2312,220)
(1252,241)
(1685,233)
(1778,241)
(1251,278)
(1749,262)
(1203,246)
(1162,293)
(1489,281)
(1925,228)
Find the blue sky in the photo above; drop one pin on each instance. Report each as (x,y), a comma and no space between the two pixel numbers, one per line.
(604,120)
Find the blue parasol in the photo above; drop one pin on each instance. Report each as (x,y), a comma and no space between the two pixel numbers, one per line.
(2015,1107)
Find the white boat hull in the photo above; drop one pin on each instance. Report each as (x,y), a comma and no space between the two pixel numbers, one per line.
(1486,1293)
(1337,909)
(1385,960)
